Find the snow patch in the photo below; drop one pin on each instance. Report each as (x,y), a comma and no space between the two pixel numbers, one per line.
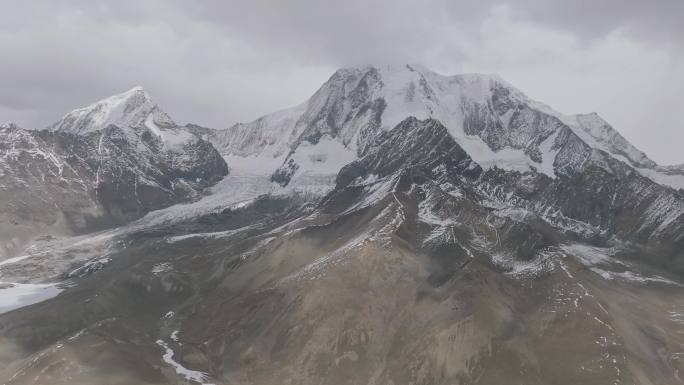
(262,164)
(631,276)
(173,138)
(326,157)
(543,262)
(10,261)
(211,235)
(190,375)
(593,257)
(160,268)
(90,267)
(16,295)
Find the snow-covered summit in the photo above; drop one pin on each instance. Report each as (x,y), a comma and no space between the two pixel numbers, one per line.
(132,111)
(132,108)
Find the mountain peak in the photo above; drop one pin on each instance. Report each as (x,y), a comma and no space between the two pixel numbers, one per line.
(8,125)
(405,79)
(420,69)
(135,93)
(128,109)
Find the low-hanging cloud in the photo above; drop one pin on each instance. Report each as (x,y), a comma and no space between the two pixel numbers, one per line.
(219,62)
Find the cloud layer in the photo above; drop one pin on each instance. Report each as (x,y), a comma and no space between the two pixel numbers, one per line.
(219,62)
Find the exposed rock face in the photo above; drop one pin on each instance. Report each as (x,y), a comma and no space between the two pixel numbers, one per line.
(595,197)
(419,147)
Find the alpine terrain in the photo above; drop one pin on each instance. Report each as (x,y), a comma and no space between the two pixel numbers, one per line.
(399,227)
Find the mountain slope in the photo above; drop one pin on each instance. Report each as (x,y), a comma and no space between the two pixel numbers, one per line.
(132,108)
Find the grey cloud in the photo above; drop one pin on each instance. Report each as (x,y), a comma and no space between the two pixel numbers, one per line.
(217,62)
(658,20)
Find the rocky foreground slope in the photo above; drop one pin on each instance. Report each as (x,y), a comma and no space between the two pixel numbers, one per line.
(400,227)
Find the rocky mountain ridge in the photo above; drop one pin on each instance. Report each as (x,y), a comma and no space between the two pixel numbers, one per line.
(99,166)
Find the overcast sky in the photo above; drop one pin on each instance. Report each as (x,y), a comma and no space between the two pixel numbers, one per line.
(219,62)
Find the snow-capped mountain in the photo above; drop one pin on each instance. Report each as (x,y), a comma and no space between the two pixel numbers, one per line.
(458,233)
(493,121)
(576,172)
(132,111)
(101,165)
(132,108)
